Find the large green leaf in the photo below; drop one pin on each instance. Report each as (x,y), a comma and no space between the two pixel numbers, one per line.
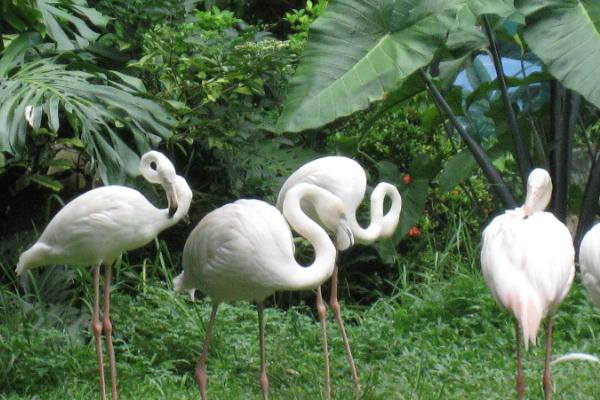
(457,169)
(69,23)
(565,35)
(65,23)
(15,51)
(360,51)
(501,8)
(357,52)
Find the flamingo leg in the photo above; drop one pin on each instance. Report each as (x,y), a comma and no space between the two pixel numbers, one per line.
(322,311)
(547,380)
(520,377)
(264,379)
(201,377)
(107,325)
(97,329)
(337,311)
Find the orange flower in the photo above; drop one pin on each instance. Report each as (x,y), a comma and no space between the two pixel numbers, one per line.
(407,179)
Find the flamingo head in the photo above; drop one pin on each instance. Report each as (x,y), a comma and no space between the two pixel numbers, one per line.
(539,191)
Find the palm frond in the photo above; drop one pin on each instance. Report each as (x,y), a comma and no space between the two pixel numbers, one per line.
(98,106)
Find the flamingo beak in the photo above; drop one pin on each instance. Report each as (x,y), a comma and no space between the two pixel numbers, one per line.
(344,237)
(172,198)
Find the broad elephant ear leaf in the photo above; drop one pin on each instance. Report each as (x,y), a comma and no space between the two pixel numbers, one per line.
(565,35)
(357,52)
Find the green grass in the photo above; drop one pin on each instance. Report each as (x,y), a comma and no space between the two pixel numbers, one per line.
(441,339)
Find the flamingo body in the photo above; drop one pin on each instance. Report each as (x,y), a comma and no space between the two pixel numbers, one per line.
(245,251)
(346,179)
(527,260)
(95,228)
(589,262)
(99,225)
(528,265)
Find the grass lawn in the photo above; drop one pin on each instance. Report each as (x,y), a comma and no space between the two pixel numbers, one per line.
(441,339)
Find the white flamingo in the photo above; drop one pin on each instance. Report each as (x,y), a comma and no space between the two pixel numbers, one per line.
(527,259)
(99,225)
(346,179)
(245,251)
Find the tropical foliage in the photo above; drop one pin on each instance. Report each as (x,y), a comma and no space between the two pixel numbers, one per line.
(53,89)
(360,52)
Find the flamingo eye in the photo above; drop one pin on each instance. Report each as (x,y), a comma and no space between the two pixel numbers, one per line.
(153,165)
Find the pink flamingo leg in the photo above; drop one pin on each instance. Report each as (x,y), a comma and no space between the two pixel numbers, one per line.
(547,380)
(107,325)
(337,311)
(201,377)
(97,329)
(322,311)
(264,379)
(520,377)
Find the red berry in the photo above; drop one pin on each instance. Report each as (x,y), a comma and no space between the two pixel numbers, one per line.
(414,231)
(407,179)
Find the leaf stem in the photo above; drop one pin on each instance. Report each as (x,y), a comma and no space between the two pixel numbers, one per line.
(490,172)
(523,161)
(563,115)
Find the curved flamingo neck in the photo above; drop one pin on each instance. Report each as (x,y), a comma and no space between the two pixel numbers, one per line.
(381,226)
(325,253)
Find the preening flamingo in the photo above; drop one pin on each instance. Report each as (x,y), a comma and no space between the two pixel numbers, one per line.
(527,259)
(346,179)
(245,251)
(99,225)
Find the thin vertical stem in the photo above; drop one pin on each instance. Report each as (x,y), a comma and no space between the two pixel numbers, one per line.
(523,161)
(558,151)
(573,103)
